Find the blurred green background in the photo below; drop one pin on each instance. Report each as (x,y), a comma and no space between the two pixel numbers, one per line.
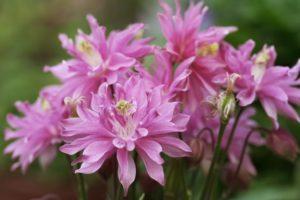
(28,41)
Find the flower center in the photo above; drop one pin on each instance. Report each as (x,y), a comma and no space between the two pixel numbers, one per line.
(89,53)
(208,50)
(125,108)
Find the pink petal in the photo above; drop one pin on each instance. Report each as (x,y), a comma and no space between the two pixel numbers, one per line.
(174,147)
(152,149)
(126,169)
(154,170)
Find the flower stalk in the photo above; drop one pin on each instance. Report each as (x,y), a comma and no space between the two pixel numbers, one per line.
(208,185)
(81,187)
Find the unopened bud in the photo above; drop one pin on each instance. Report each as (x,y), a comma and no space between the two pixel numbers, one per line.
(283,144)
(207,159)
(198,147)
(224,103)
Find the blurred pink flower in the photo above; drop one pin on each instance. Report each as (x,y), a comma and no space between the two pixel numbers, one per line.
(97,58)
(133,118)
(274,86)
(283,144)
(37,133)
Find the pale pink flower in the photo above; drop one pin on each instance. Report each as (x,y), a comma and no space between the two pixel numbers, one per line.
(37,133)
(275,87)
(97,58)
(133,118)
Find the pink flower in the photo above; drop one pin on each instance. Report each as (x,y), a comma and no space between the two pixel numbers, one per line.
(184,38)
(37,133)
(283,144)
(96,59)
(274,86)
(175,81)
(134,118)
(185,41)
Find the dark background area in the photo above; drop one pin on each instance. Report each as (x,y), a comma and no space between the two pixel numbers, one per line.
(28,41)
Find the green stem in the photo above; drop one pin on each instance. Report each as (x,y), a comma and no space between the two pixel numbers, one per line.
(227,147)
(242,154)
(236,122)
(208,185)
(176,187)
(241,159)
(81,187)
(116,187)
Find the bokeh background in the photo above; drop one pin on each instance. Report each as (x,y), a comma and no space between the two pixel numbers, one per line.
(28,41)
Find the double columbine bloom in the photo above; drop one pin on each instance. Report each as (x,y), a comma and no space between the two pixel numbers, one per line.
(122,120)
(109,105)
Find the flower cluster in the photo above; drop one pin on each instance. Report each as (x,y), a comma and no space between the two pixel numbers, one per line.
(109,105)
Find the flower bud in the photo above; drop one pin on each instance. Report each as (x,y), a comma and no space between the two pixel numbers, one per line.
(206,159)
(283,144)
(197,146)
(224,103)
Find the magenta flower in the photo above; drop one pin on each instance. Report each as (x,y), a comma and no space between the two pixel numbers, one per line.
(186,41)
(96,59)
(134,118)
(274,86)
(37,133)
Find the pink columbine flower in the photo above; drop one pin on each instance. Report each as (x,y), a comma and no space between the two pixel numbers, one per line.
(185,41)
(97,58)
(183,35)
(274,86)
(133,118)
(37,133)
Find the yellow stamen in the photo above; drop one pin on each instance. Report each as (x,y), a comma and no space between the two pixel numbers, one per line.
(45,105)
(89,53)
(124,107)
(208,50)
(139,35)
(85,47)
